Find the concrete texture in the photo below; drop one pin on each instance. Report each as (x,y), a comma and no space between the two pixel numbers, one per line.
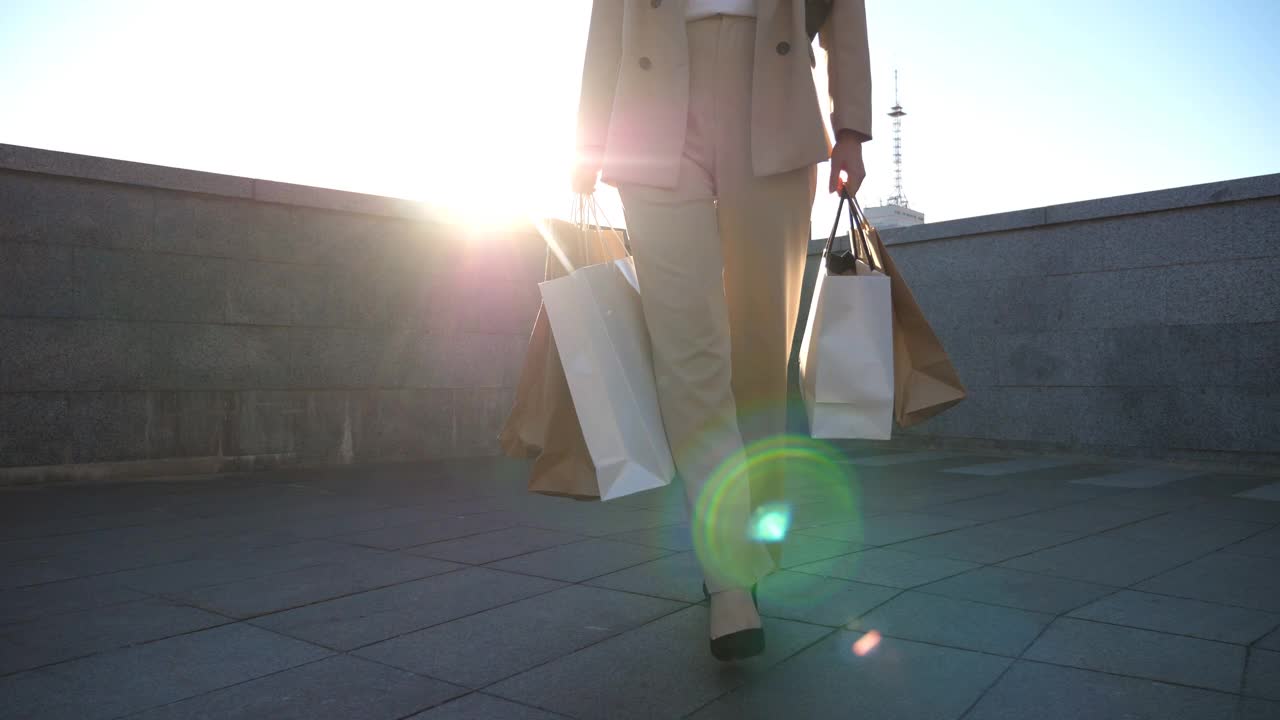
(445,590)
(162,321)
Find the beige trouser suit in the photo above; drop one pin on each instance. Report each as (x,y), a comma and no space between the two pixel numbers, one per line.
(719,245)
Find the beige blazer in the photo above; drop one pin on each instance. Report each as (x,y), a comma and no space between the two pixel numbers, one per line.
(635,88)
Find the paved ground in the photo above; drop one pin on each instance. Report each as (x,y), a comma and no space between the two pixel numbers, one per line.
(1039,587)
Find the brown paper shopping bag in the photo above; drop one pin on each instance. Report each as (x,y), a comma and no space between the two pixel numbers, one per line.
(925,382)
(543,424)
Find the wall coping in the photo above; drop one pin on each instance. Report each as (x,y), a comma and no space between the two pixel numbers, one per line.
(88,167)
(1223,191)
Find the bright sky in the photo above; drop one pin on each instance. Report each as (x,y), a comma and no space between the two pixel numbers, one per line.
(470,105)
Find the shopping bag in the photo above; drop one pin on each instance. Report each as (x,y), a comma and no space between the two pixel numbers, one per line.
(847,354)
(603,342)
(543,424)
(926,383)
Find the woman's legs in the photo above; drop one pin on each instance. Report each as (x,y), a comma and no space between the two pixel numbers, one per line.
(677,250)
(764,228)
(720,259)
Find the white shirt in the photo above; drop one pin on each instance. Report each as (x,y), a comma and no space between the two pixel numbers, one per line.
(698,9)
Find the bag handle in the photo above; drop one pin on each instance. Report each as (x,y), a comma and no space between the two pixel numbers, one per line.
(587,215)
(859,238)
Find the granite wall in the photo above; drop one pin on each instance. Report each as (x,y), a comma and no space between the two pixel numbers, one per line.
(158,321)
(1144,325)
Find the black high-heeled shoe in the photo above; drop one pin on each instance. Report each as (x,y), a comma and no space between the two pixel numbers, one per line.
(737,645)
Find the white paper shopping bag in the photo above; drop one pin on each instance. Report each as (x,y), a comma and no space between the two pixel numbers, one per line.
(603,342)
(846,356)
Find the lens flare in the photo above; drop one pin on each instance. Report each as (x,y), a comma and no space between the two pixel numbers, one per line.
(866,643)
(731,538)
(769,523)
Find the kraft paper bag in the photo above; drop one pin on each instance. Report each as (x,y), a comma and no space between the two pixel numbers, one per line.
(926,383)
(847,354)
(600,332)
(543,424)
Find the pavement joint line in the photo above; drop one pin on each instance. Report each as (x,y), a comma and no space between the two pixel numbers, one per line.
(525,704)
(255,616)
(580,539)
(224,687)
(682,608)
(991,686)
(1091,621)
(1265,635)
(770,670)
(1244,669)
(411,631)
(1136,677)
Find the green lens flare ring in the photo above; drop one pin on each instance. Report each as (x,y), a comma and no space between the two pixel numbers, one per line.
(726,528)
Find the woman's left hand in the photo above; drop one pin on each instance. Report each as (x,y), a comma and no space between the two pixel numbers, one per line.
(846,157)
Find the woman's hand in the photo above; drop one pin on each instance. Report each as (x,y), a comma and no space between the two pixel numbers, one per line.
(846,156)
(585,172)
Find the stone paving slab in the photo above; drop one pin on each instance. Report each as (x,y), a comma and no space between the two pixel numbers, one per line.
(1086,518)
(1140,653)
(1105,561)
(337,688)
(1009,467)
(65,637)
(142,677)
(1190,529)
(1264,544)
(888,528)
(676,577)
(29,603)
(224,568)
(662,669)
(986,544)
(1263,676)
(478,706)
(1254,709)
(484,648)
(1017,589)
(421,533)
(1224,578)
(1051,692)
(1269,492)
(956,623)
(892,568)
(317,583)
(356,620)
(581,561)
(496,545)
(1271,641)
(997,506)
(1142,477)
(897,679)
(892,459)
(1180,616)
(121,600)
(677,538)
(819,600)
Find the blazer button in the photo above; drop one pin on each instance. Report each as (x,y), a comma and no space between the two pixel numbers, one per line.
(784,47)
(655,3)
(645,63)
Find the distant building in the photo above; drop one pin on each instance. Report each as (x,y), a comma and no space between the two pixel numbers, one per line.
(892,216)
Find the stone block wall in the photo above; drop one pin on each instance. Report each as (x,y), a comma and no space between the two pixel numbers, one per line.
(156,321)
(159,321)
(1143,325)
